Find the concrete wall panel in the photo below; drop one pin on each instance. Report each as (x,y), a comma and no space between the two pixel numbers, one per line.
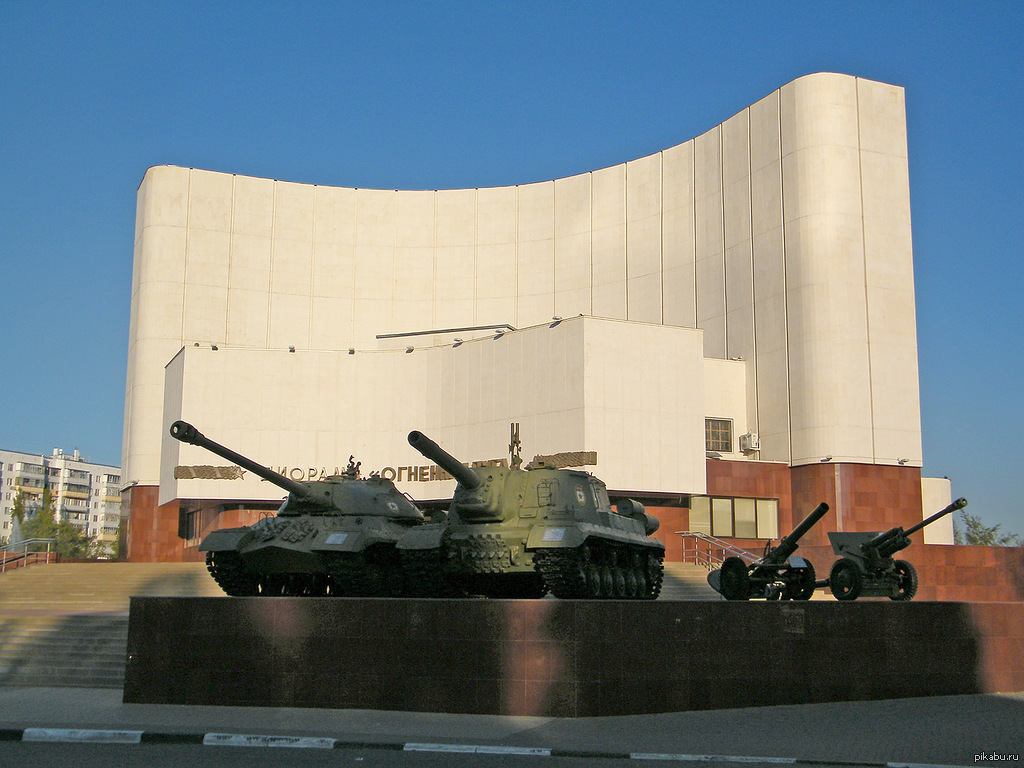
(783,235)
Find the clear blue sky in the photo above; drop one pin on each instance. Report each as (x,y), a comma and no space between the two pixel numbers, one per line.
(401,95)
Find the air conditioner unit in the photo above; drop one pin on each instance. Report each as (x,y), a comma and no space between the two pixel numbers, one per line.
(750,442)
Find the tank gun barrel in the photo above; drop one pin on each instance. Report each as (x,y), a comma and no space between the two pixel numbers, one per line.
(788,544)
(186,433)
(466,477)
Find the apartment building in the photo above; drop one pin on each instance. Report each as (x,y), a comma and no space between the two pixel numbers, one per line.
(86,494)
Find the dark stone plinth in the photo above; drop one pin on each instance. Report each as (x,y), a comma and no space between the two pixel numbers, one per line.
(562,658)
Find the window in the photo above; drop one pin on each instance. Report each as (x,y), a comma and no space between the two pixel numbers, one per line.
(735,518)
(718,435)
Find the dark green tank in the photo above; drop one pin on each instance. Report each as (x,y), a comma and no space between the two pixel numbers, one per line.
(333,537)
(521,533)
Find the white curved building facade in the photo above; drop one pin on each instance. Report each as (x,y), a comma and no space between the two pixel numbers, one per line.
(760,273)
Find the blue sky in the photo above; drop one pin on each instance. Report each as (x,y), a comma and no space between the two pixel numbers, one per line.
(401,95)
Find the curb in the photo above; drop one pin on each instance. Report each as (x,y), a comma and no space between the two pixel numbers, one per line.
(81,735)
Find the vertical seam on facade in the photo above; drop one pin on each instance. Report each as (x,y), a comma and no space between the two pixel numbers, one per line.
(270,272)
(355,251)
(725,249)
(752,363)
(785,276)
(433,260)
(476,255)
(625,238)
(515,263)
(312,268)
(188,237)
(394,260)
(231,249)
(864,258)
(554,251)
(693,231)
(591,177)
(661,231)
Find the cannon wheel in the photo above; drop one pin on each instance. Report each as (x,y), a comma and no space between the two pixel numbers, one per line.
(846,580)
(906,581)
(803,588)
(735,580)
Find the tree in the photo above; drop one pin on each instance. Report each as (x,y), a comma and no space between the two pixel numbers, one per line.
(71,542)
(18,507)
(977,533)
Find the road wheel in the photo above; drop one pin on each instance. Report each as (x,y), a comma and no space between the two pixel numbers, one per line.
(845,580)
(735,580)
(906,581)
(804,587)
(593,580)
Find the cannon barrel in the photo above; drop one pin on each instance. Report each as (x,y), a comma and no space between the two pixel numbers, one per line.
(894,535)
(958,504)
(466,477)
(788,544)
(186,433)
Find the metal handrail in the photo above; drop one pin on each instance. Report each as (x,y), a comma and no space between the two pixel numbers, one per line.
(24,553)
(713,553)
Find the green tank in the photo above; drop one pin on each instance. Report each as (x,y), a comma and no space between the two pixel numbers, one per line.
(521,533)
(333,537)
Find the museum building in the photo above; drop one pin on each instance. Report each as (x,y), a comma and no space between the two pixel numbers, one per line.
(725,328)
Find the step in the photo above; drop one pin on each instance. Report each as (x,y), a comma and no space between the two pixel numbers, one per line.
(66,624)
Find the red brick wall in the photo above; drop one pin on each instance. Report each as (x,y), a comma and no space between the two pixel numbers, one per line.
(152,529)
(672,519)
(214,520)
(953,573)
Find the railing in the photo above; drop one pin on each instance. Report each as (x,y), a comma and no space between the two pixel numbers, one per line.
(18,555)
(701,549)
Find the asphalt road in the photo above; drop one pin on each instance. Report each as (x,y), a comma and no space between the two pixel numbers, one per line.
(198,756)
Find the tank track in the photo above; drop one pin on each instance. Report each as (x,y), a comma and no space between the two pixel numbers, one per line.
(227,570)
(371,573)
(598,570)
(424,574)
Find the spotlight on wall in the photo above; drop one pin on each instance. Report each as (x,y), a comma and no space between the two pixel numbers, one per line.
(901,462)
(458,342)
(291,349)
(351,350)
(826,459)
(408,350)
(713,455)
(213,347)
(555,321)
(498,335)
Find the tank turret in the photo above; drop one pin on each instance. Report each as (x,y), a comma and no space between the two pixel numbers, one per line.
(525,532)
(332,537)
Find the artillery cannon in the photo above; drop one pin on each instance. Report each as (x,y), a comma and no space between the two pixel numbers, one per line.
(522,533)
(866,566)
(333,537)
(778,575)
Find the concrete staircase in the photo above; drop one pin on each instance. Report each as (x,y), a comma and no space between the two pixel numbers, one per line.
(684,581)
(66,625)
